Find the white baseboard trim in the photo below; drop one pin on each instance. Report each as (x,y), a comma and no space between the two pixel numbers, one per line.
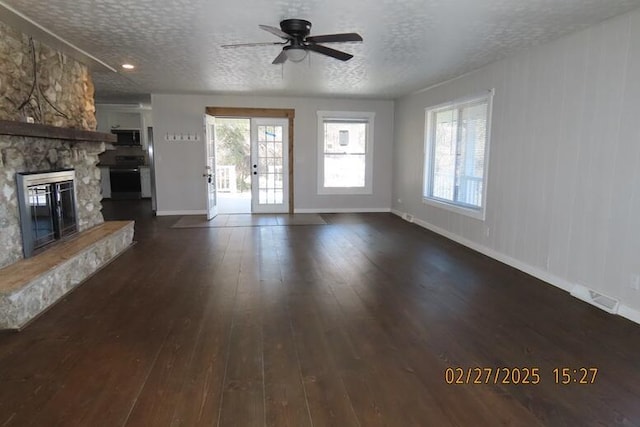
(168,213)
(533,271)
(545,276)
(343,210)
(629,313)
(407,217)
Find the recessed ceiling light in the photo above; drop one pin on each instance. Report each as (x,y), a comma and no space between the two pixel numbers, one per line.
(128,66)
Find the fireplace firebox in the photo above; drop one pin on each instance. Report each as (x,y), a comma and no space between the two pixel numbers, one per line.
(47,204)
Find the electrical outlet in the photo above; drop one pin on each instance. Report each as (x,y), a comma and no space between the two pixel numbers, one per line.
(635,282)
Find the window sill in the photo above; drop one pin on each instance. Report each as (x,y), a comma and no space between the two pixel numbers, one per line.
(345,191)
(473,213)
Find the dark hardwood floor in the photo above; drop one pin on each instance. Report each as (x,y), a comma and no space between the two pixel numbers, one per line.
(353,323)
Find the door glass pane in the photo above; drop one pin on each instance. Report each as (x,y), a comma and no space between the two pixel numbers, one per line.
(270,165)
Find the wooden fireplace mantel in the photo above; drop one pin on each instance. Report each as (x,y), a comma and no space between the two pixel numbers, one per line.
(36,130)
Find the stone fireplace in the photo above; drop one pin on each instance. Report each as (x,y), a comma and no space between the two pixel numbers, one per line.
(49,180)
(62,137)
(50,190)
(34,153)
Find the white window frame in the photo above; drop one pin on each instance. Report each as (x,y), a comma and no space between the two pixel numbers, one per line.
(478,213)
(359,116)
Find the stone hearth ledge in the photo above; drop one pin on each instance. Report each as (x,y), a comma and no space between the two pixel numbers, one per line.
(30,286)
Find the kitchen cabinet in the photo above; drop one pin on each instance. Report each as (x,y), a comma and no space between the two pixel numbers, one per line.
(109,118)
(121,117)
(124,120)
(145,182)
(105,182)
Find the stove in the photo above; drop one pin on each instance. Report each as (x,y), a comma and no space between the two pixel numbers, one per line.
(129,161)
(125,177)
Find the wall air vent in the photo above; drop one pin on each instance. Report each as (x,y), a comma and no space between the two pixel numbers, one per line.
(603,302)
(408,217)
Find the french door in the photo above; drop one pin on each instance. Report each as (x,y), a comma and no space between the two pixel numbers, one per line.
(269,165)
(210,166)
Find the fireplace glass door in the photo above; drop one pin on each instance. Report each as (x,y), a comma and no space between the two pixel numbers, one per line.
(42,216)
(47,208)
(52,212)
(66,206)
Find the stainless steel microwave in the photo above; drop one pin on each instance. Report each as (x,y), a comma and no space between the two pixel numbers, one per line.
(127,136)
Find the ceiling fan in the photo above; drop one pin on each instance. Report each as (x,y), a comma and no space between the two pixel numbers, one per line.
(297,42)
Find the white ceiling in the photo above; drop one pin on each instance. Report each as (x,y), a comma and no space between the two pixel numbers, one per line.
(408,44)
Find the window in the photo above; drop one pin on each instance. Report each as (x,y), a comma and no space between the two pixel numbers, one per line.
(345,142)
(457,146)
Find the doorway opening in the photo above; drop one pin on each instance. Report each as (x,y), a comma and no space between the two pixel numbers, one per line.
(249,160)
(233,165)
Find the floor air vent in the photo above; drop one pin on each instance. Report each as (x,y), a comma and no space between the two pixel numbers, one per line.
(595,298)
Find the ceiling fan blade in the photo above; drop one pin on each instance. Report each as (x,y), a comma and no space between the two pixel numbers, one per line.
(335,38)
(275,31)
(252,44)
(342,56)
(280,58)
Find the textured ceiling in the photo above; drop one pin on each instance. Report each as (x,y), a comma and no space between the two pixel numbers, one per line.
(408,44)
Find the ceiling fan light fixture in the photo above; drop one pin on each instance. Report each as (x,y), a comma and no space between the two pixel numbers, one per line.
(295,53)
(296,41)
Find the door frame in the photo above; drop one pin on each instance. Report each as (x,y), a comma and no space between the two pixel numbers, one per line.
(241,112)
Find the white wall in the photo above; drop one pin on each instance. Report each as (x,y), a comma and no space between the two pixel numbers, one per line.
(179,166)
(563,197)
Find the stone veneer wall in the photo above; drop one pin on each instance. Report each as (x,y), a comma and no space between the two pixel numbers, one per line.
(67,85)
(22,154)
(63,81)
